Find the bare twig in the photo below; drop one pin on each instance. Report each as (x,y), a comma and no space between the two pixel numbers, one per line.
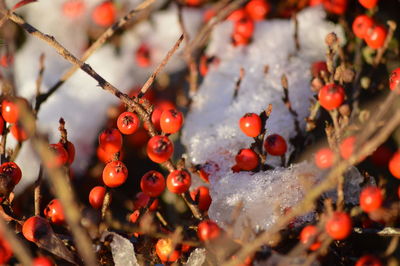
(392,28)
(37,191)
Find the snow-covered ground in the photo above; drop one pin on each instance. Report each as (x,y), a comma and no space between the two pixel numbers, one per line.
(211,132)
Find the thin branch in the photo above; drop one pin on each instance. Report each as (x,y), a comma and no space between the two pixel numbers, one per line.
(37,191)
(153,76)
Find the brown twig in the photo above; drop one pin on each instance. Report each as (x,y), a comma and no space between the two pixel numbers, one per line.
(97,44)
(238,82)
(106,203)
(37,191)
(40,75)
(392,28)
(153,76)
(296,32)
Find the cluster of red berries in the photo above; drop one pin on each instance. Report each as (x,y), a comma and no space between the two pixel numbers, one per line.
(10,113)
(365,27)
(247,159)
(244,18)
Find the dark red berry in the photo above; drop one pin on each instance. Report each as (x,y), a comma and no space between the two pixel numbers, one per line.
(275,145)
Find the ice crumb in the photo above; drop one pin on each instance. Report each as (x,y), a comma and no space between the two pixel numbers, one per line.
(122,250)
(197,257)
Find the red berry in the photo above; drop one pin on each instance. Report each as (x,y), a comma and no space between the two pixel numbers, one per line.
(104,14)
(315,2)
(96,197)
(394,165)
(134,216)
(6,60)
(166,250)
(250,124)
(6,251)
(152,183)
(143,58)
(381,156)
(324,158)
(337,7)
(368,260)
(257,9)
(35,228)
(159,108)
(179,181)
(209,14)
(60,156)
(237,15)
(375,37)
(193,2)
(42,261)
(115,174)
(318,67)
(110,140)
(331,96)
(142,199)
(171,121)
(73,8)
(54,212)
(244,27)
(361,25)
(11,169)
(347,147)
(238,39)
(275,145)
(368,3)
(106,157)
(339,226)
(208,230)
(309,233)
(159,149)
(206,169)
(202,196)
(10,111)
(247,159)
(128,123)
(18,132)
(371,198)
(394,79)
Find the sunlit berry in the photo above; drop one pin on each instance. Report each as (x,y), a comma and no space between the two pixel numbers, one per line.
(371,198)
(244,27)
(308,234)
(11,169)
(152,183)
(250,124)
(394,165)
(324,158)
(104,14)
(257,9)
(36,228)
(375,37)
(237,15)
(275,145)
(171,121)
(128,123)
(331,96)
(60,156)
(106,157)
(339,225)
(10,110)
(247,159)
(368,3)
(96,197)
(6,60)
(110,140)
(54,212)
(115,174)
(19,132)
(70,148)
(361,25)
(179,181)
(238,39)
(159,149)
(208,230)
(394,79)
(159,108)
(202,196)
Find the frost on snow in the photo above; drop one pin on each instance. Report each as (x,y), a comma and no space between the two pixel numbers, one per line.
(80,101)
(122,250)
(212,134)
